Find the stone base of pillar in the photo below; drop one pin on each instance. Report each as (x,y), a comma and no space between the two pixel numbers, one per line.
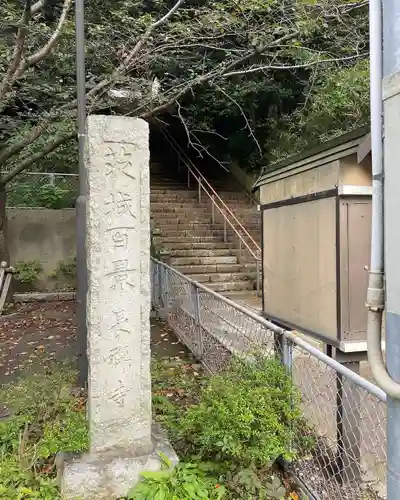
(110,475)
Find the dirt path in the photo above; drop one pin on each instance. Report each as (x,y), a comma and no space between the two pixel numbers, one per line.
(36,334)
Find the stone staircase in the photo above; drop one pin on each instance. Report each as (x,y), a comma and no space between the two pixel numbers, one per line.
(194,245)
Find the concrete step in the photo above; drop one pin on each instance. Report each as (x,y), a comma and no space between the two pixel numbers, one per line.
(178,206)
(193,233)
(182,226)
(231,285)
(199,261)
(222,277)
(202,252)
(215,268)
(172,195)
(192,240)
(166,217)
(199,245)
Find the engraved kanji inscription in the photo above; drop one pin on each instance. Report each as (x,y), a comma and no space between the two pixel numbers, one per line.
(120,275)
(118,395)
(114,355)
(120,317)
(119,160)
(119,203)
(120,236)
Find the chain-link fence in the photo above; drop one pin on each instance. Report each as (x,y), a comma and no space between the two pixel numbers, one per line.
(345,414)
(43,190)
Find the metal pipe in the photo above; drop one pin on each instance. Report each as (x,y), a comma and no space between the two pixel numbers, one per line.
(375,294)
(81,90)
(199,190)
(81,268)
(391,96)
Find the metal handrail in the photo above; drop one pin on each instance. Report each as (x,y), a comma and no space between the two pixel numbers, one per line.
(221,210)
(200,177)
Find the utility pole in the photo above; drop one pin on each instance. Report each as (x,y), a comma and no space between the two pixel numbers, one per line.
(391,98)
(81,269)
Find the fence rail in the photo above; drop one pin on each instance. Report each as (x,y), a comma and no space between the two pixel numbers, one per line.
(43,190)
(345,413)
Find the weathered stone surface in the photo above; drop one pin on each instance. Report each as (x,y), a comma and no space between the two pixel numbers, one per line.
(122,444)
(118,253)
(111,475)
(44,296)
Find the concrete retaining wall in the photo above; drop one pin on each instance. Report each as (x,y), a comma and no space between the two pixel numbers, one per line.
(46,236)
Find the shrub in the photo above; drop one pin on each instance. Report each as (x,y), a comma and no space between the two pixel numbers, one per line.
(28,271)
(249,414)
(186,481)
(46,196)
(66,268)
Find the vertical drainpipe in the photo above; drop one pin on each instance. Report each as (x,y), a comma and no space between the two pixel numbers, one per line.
(385,60)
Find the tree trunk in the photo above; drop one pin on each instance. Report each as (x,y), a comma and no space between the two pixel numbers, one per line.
(4,254)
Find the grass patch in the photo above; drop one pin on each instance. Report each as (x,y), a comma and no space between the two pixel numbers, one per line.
(44,416)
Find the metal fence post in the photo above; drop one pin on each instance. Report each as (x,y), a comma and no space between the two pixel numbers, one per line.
(287,354)
(197,318)
(258,277)
(52,179)
(348,422)
(199,190)
(159,286)
(213,208)
(164,291)
(225,235)
(188,178)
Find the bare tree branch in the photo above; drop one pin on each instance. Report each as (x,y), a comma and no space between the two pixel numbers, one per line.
(50,146)
(294,66)
(34,134)
(47,48)
(201,80)
(18,50)
(247,124)
(136,63)
(150,30)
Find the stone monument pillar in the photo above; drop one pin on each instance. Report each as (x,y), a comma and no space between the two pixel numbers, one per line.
(122,444)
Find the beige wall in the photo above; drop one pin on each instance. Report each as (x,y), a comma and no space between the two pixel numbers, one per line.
(355,174)
(310,181)
(43,235)
(300,265)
